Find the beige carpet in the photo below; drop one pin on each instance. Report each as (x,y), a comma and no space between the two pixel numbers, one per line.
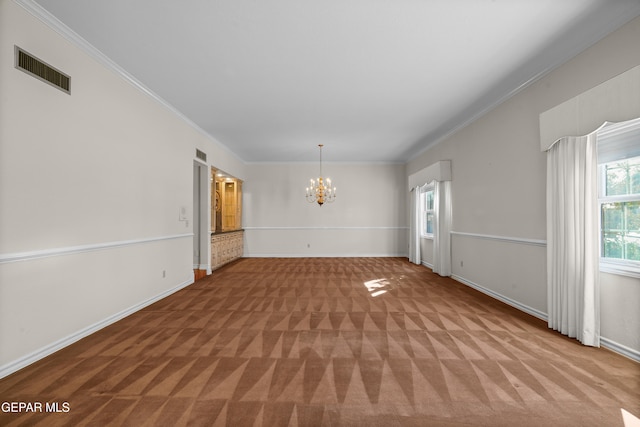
(326,342)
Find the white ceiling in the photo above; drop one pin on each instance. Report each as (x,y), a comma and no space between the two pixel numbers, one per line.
(372,80)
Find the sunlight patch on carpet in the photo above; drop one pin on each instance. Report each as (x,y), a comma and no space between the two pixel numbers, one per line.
(378,286)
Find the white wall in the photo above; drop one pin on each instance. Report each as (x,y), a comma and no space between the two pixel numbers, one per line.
(619,302)
(91,185)
(368,218)
(498,185)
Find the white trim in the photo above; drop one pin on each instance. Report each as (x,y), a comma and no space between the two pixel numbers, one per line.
(324,162)
(47,350)
(493,105)
(200,162)
(513,303)
(534,242)
(59,27)
(629,269)
(620,349)
(325,228)
(604,342)
(45,253)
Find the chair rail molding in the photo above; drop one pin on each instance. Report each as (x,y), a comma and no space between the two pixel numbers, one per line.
(507,239)
(45,253)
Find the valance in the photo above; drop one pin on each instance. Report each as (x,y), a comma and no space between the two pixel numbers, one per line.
(616,100)
(439,171)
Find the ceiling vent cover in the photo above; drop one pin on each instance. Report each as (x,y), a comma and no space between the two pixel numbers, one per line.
(201,155)
(35,67)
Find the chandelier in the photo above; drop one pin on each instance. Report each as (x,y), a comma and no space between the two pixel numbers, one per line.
(319,191)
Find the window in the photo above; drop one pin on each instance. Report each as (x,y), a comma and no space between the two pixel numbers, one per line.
(620,210)
(619,198)
(426,202)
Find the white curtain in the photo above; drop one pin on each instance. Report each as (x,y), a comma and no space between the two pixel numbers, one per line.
(572,239)
(414,226)
(442,228)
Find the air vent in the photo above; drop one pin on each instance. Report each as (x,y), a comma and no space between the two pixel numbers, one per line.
(35,67)
(201,155)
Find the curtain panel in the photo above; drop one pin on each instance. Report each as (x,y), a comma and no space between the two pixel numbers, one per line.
(414,226)
(572,239)
(442,228)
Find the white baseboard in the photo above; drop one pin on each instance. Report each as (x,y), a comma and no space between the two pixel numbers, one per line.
(604,342)
(513,303)
(426,264)
(620,349)
(45,351)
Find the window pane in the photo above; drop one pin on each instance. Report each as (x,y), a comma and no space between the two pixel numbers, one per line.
(623,177)
(429,223)
(612,245)
(632,247)
(616,176)
(429,200)
(612,215)
(621,230)
(634,172)
(632,215)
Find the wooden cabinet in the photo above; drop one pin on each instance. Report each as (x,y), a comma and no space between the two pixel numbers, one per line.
(226,247)
(226,203)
